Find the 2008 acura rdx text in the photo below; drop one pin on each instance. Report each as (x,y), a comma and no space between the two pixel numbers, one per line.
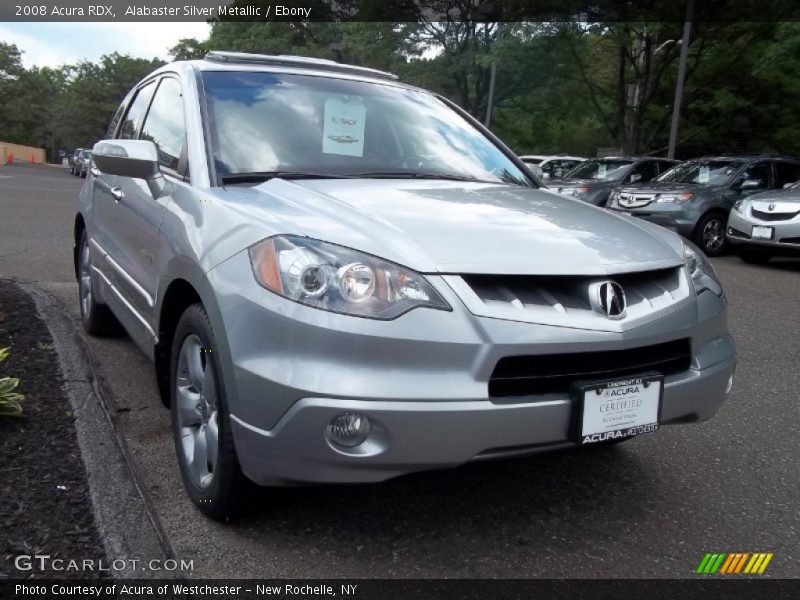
(342,278)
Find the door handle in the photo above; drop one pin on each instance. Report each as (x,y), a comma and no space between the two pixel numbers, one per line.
(117,193)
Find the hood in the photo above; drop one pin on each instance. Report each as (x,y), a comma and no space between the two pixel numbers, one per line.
(791,196)
(662,187)
(571,182)
(454,227)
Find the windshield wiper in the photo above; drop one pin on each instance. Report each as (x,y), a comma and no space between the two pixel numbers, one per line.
(415,175)
(259,176)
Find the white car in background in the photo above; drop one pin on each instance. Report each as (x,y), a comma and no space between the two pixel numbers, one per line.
(547,167)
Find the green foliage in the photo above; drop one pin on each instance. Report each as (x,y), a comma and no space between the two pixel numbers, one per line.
(9,399)
(559,87)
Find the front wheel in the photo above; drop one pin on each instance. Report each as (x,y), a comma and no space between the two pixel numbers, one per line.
(201,428)
(710,234)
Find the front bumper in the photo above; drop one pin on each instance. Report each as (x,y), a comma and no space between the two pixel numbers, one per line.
(671,216)
(785,239)
(422,380)
(414,436)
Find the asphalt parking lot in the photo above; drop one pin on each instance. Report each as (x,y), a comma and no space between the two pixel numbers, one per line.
(649,508)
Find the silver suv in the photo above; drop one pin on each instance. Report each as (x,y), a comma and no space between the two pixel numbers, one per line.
(695,197)
(342,278)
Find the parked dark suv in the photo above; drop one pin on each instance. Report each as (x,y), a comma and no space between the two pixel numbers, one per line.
(592,181)
(695,197)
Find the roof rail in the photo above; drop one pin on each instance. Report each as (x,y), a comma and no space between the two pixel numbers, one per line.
(301,62)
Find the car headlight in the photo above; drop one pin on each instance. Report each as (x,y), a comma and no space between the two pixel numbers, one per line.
(581,190)
(675,198)
(338,279)
(739,206)
(700,269)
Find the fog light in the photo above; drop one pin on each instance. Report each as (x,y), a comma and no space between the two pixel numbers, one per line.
(348,429)
(729,387)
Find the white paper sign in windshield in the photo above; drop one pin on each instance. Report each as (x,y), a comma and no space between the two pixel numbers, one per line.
(602,170)
(702,176)
(343,132)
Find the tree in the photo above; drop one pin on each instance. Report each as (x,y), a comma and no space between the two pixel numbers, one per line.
(93,93)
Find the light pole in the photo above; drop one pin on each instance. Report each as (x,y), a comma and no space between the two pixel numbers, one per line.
(676,109)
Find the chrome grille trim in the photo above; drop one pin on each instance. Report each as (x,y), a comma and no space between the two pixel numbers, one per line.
(566,300)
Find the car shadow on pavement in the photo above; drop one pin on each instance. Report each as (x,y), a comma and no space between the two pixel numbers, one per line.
(572,488)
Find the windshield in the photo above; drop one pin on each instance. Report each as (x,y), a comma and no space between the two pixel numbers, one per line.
(602,169)
(270,123)
(86,154)
(706,172)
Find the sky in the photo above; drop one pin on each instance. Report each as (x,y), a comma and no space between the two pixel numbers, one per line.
(54,44)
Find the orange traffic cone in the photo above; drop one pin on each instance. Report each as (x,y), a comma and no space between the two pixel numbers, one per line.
(10,158)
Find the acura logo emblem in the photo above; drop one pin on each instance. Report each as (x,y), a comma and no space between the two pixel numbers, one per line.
(771,206)
(611,299)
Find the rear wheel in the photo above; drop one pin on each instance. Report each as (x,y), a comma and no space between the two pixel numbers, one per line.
(97,318)
(755,257)
(710,234)
(201,428)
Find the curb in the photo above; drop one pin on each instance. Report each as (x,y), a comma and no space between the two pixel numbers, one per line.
(124,514)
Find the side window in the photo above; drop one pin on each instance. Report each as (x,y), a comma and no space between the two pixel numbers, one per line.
(164,124)
(136,111)
(646,170)
(786,172)
(760,172)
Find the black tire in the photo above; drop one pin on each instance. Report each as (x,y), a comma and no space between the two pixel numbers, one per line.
(709,234)
(754,257)
(97,318)
(222,493)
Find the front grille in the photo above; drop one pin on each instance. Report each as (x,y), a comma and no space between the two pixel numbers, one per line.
(554,373)
(773,216)
(543,296)
(635,200)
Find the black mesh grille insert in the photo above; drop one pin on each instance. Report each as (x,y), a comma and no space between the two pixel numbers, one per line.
(554,373)
(771,216)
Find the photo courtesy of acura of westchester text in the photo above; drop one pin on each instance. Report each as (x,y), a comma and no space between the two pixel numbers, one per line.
(334,294)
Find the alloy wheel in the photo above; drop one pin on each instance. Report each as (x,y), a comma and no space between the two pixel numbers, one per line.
(714,234)
(197,414)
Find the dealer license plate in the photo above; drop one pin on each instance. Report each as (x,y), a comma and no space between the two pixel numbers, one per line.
(619,409)
(764,233)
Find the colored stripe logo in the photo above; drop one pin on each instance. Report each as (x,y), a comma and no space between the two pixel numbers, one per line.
(731,563)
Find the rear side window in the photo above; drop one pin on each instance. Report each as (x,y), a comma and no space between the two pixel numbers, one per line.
(165,125)
(136,112)
(786,172)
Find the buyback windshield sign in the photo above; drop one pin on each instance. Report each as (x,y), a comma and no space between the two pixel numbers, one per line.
(343,132)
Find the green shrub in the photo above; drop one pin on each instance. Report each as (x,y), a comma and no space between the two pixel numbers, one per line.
(9,399)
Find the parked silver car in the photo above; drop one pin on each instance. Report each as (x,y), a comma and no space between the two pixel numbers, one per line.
(766,225)
(695,197)
(329,311)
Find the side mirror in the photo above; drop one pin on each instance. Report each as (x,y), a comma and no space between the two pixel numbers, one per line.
(130,158)
(750,184)
(635,177)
